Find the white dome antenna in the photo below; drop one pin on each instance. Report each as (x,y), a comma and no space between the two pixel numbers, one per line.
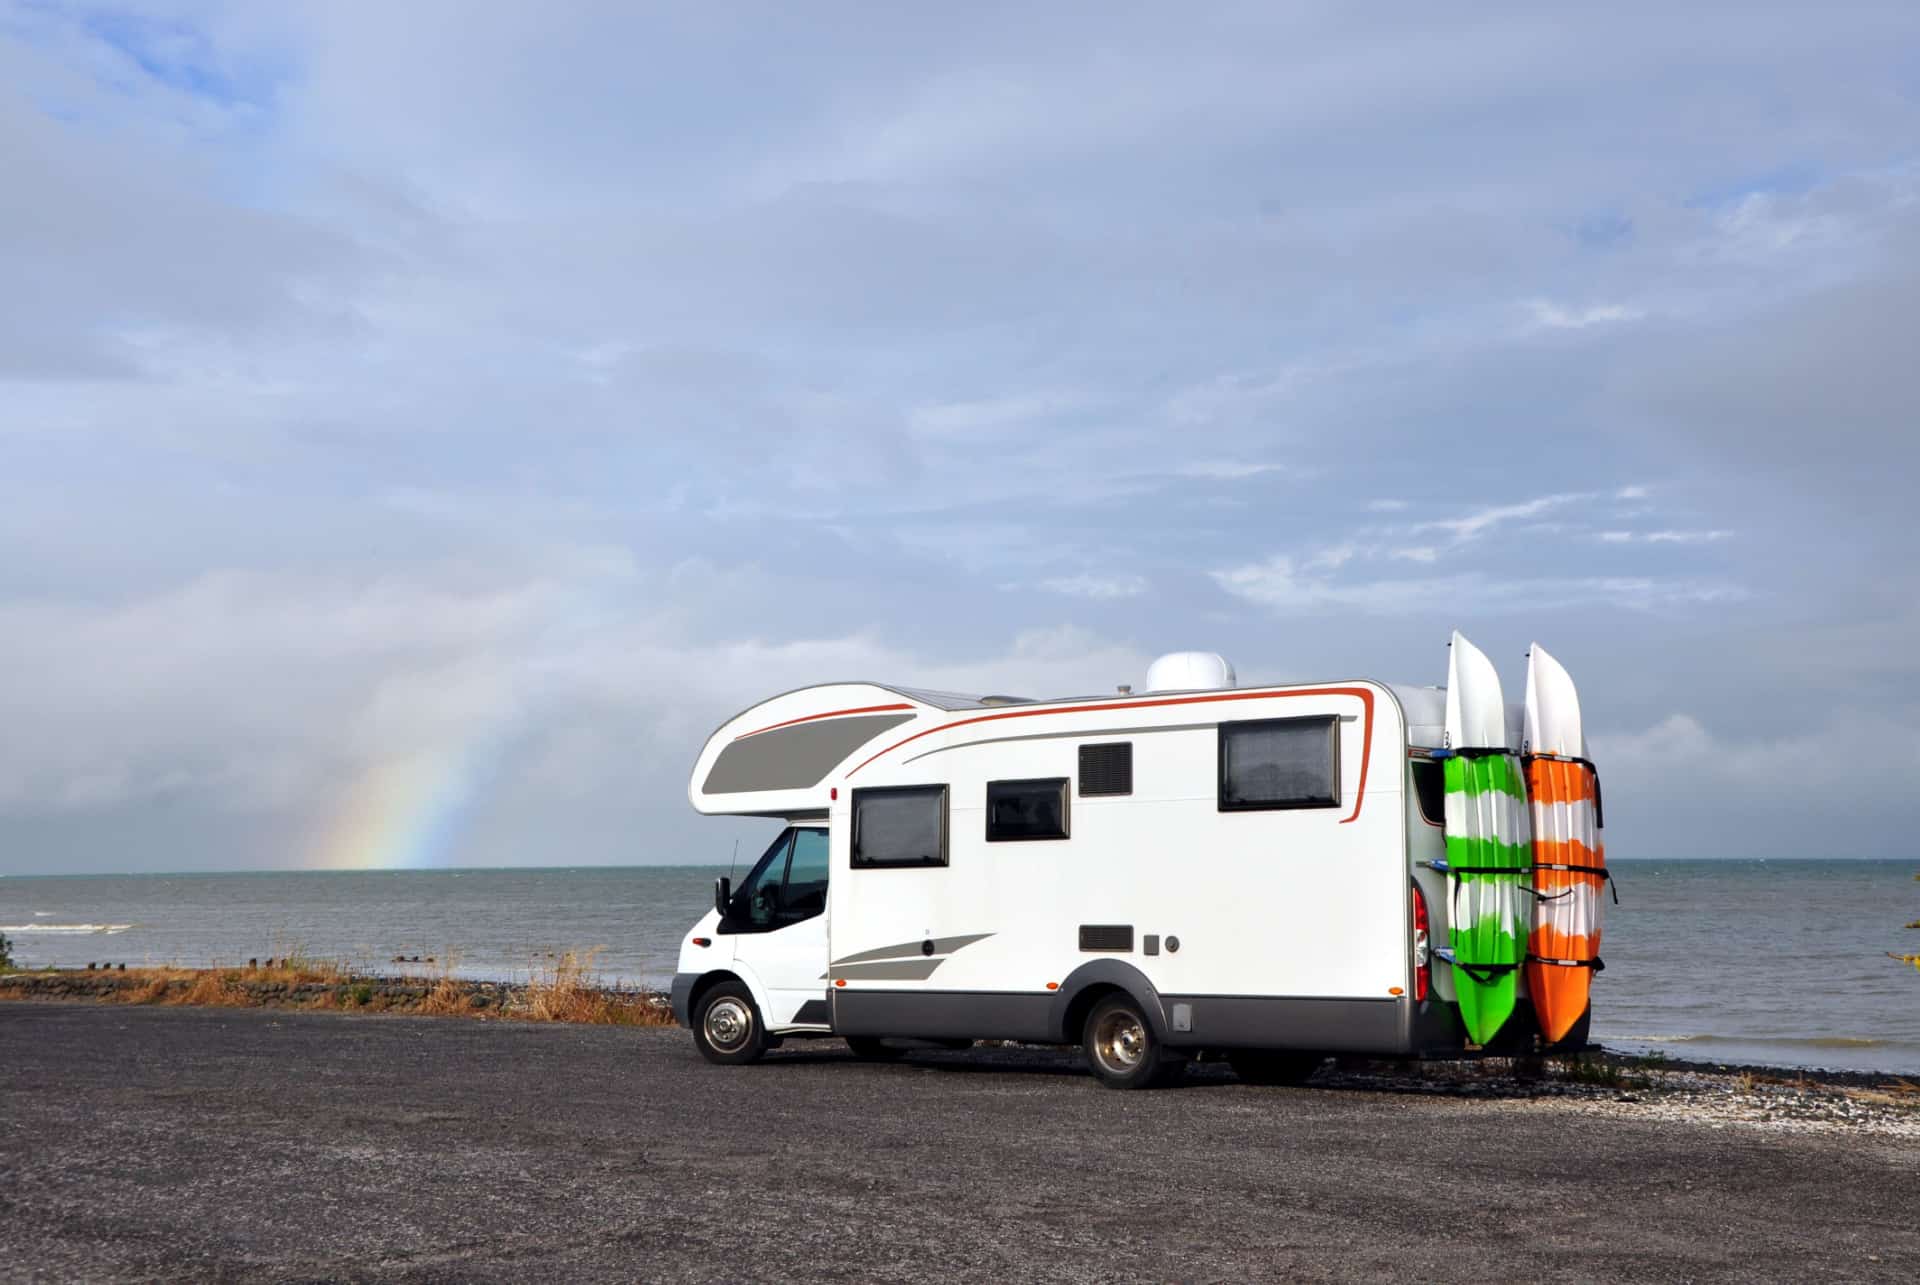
(1190,671)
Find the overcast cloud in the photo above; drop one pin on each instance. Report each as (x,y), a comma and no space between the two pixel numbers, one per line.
(528,388)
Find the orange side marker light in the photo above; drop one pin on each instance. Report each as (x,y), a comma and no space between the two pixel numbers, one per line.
(1053,986)
(1395,990)
(839,981)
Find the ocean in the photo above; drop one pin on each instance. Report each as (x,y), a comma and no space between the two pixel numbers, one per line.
(1776,962)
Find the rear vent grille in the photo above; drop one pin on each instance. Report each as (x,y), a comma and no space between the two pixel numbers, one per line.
(1106,769)
(1106,936)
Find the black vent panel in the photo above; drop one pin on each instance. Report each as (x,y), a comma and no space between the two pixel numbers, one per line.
(1106,769)
(1106,936)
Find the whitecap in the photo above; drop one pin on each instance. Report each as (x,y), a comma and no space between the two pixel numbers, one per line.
(103,930)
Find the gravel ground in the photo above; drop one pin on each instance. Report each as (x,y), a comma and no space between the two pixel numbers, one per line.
(225,1144)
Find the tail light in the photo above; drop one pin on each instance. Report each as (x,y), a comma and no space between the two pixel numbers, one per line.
(1422,952)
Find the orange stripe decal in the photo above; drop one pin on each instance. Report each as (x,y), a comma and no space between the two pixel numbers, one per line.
(1363,695)
(811,718)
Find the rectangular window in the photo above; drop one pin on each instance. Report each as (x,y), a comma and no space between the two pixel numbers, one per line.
(1027,809)
(1430,787)
(1280,763)
(904,825)
(1106,769)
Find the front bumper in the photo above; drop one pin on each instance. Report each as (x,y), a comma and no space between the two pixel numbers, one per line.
(682,992)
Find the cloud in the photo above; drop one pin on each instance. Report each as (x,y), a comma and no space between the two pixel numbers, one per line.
(1101,588)
(375,385)
(1665,537)
(1282,586)
(1551,316)
(1686,537)
(1677,787)
(1225,470)
(1479,522)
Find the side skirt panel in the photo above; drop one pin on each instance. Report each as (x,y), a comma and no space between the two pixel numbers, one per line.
(1268,1022)
(1210,1021)
(969,1015)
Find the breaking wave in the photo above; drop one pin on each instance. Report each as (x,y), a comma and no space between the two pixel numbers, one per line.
(72,930)
(1815,1042)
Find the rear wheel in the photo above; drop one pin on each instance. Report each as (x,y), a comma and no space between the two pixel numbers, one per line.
(726,1026)
(870,1048)
(1122,1050)
(1264,1066)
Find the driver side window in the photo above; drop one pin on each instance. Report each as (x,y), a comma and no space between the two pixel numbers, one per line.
(758,902)
(786,886)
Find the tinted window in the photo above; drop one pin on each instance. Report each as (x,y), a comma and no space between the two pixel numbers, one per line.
(806,894)
(757,905)
(1430,786)
(1027,809)
(1280,763)
(1106,769)
(900,826)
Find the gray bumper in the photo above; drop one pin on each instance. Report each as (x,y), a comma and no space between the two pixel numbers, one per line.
(682,992)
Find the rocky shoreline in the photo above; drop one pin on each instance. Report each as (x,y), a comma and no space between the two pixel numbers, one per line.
(284,988)
(1718,1095)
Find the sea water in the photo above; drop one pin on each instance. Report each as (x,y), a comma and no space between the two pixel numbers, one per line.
(1778,962)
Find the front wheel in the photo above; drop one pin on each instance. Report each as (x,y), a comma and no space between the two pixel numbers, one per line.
(1122,1050)
(727,1027)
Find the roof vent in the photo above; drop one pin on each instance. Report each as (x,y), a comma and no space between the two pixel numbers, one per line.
(1189,671)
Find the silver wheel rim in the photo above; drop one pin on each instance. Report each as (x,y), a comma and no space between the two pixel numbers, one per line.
(1119,1042)
(729,1024)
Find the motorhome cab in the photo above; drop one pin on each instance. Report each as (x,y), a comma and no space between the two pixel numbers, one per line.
(1193,867)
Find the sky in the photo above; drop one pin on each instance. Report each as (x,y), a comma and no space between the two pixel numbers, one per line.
(421,425)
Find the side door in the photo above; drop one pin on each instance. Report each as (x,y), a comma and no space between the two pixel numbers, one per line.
(780,917)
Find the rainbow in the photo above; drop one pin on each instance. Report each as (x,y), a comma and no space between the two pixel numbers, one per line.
(403,813)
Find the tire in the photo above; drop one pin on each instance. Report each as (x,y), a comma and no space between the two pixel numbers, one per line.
(1121,1049)
(1264,1066)
(726,1026)
(955,1046)
(870,1048)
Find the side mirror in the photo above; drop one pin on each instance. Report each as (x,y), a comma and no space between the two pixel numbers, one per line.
(722,895)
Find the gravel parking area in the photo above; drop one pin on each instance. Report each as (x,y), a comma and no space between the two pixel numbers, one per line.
(211,1144)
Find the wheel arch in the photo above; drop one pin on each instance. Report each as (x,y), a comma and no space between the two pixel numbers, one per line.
(1086,985)
(732,973)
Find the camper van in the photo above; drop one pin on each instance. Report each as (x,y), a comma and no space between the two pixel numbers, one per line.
(1192,869)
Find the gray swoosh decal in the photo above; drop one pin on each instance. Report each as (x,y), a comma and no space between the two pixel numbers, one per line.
(941,946)
(904,970)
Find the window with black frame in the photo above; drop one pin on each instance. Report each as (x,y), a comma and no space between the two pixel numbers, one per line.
(1430,788)
(1280,763)
(788,885)
(899,826)
(1022,810)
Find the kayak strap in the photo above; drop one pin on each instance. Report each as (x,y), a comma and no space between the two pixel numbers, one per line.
(1597,964)
(1444,868)
(1602,871)
(1485,974)
(1470,752)
(1529,756)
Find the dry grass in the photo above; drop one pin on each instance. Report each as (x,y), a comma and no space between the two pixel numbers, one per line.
(568,990)
(571,991)
(220,987)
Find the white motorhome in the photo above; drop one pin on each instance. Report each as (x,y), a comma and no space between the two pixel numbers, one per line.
(1193,867)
